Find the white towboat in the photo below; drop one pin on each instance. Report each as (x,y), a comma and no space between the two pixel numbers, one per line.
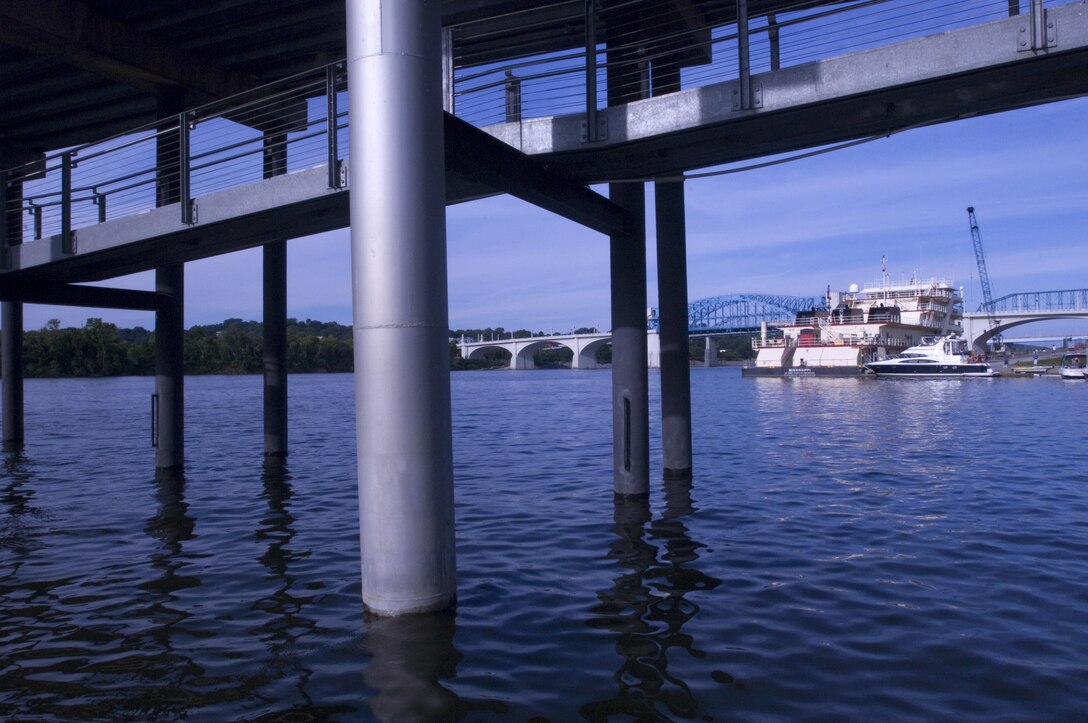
(859,326)
(1073,365)
(946,356)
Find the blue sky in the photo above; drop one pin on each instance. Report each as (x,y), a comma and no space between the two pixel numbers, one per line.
(788,229)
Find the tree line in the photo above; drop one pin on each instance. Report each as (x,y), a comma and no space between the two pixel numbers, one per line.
(99,349)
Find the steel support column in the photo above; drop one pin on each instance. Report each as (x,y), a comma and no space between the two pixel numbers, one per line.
(274,354)
(630,383)
(398,239)
(672,293)
(11,366)
(11,321)
(169,422)
(630,389)
(275,349)
(170,366)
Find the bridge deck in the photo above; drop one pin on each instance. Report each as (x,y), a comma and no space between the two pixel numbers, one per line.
(965,71)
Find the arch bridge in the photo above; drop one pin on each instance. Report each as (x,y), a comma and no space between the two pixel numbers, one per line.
(738,313)
(727,314)
(584,347)
(1014,310)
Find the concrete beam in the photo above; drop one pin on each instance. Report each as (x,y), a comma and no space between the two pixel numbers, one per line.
(76,34)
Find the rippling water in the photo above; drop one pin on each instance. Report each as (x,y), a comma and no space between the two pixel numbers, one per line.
(849,549)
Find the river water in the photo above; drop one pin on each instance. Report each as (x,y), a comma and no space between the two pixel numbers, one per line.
(849,549)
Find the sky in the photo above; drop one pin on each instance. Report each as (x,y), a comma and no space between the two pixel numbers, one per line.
(793,228)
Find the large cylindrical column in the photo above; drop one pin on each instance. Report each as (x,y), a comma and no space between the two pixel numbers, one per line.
(11,366)
(672,295)
(170,366)
(275,349)
(630,388)
(398,241)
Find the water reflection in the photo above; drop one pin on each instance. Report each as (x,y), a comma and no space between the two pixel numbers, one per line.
(646,607)
(285,624)
(17,530)
(410,656)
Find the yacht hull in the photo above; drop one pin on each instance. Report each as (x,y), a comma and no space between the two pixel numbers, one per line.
(931,370)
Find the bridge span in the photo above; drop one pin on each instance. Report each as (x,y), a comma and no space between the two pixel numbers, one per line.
(1013,310)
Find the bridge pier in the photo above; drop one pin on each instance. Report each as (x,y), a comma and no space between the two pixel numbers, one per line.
(710,353)
(672,291)
(401,313)
(11,366)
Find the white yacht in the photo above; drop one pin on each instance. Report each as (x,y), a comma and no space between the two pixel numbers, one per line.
(1073,365)
(859,326)
(946,356)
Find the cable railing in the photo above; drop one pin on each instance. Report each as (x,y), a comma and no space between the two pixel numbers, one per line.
(299,122)
(620,59)
(627,50)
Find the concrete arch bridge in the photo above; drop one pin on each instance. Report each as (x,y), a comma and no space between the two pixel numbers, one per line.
(728,314)
(584,347)
(1013,310)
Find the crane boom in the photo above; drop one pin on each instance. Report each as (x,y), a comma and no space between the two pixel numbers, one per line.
(983,276)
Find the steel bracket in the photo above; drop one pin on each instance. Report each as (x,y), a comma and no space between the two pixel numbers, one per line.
(602,129)
(757,97)
(1037,33)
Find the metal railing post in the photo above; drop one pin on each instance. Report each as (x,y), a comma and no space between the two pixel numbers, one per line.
(100,201)
(772,37)
(513,98)
(184,189)
(591,70)
(1038,28)
(67,244)
(743,56)
(449,86)
(36,213)
(5,255)
(332,112)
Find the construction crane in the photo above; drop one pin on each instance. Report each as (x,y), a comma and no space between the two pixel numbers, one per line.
(983,277)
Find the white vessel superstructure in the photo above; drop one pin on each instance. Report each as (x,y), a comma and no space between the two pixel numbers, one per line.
(858,326)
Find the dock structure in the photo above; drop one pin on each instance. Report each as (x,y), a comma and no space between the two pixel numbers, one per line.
(142,136)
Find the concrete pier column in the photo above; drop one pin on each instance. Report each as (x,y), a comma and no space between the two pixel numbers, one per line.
(672,294)
(630,386)
(170,366)
(11,366)
(275,349)
(398,241)
(710,353)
